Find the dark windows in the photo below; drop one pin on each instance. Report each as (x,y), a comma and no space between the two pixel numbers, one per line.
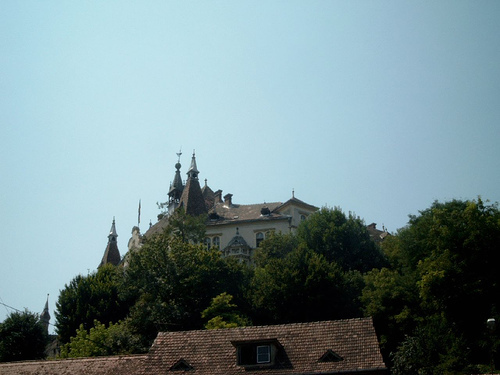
(263,354)
(257,353)
(259,237)
(216,243)
(252,354)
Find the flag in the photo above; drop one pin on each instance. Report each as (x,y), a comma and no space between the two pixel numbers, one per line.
(139,214)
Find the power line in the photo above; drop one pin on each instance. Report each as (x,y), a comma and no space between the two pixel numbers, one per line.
(10,307)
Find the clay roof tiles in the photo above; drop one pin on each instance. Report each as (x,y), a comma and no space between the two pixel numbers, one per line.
(89,366)
(211,352)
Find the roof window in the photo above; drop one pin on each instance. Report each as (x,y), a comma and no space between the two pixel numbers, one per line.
(330,356)
(257,353)
(181,365)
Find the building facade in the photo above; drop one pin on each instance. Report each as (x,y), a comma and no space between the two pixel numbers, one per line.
(235,229)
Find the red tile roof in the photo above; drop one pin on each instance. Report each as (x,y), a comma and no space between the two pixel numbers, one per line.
(90,366)
(303,344)
(210,352)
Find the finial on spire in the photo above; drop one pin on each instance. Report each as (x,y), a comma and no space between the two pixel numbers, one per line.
(179,155)
(193,170)
(293,193)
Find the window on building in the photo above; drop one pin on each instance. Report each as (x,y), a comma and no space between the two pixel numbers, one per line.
(259,237)
(208,242)
(302,217)
(216,242)
(253,354)
(263,354)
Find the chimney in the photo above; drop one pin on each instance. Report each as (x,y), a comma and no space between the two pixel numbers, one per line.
(218,196)
(228,199)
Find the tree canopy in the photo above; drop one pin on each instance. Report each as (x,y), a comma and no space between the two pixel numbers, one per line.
(442,286)
(22,337)
(419,285)
(89,298)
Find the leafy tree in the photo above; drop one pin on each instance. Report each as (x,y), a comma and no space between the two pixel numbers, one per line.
(442,287)
(22,337)
(341,239)
(173,281)
(303,286)
(186,227)
(276,246)
(89,298)
(116,339)
(223,314)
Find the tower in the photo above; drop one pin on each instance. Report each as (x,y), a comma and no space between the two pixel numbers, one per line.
(45,316)
(111,254)
(192,197)
(176,188)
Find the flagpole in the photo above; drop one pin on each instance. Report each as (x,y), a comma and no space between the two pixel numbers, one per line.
(139,214)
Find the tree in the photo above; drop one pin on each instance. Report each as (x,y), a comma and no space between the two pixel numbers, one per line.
(223,314)
(443,263)
(172,282)
(341,239)
(22,337)
(116,339)
(186,227)
(89,298)
(303,286)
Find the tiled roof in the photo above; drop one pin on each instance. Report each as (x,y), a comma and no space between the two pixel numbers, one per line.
(303,344)
(192,198)
(346,347)
(111,254)
(297,202)
(244,212)
(90,366)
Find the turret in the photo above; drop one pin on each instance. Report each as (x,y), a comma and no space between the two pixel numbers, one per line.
(176,188)
(111,254)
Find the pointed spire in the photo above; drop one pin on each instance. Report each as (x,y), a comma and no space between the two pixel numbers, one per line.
(45,316)
(111,254)
(112,232)
(176,188)
(193,170)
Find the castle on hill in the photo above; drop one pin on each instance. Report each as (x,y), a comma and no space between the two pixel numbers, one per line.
(235,229)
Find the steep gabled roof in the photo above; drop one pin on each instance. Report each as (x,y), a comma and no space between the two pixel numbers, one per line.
(192,198)
(295,202)
(211,352)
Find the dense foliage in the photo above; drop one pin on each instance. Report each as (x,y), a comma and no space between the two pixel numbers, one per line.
(431,305)
(430,287)
(22,337)
(89,298)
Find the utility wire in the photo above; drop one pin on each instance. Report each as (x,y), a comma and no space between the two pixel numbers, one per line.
(10,307)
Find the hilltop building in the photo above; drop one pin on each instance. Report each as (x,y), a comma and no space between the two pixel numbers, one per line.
(235,229)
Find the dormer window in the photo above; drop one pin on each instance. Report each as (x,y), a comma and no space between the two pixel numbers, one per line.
(257,353)
(264,354)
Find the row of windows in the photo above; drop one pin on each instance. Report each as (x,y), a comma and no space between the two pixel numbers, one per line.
(214,242)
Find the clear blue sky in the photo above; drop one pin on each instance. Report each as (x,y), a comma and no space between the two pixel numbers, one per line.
(379,107)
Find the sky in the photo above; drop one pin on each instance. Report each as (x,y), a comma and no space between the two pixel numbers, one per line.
(377,107)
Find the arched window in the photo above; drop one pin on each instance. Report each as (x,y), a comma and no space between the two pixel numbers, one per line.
(216,243)
(259,237)
(302,217)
